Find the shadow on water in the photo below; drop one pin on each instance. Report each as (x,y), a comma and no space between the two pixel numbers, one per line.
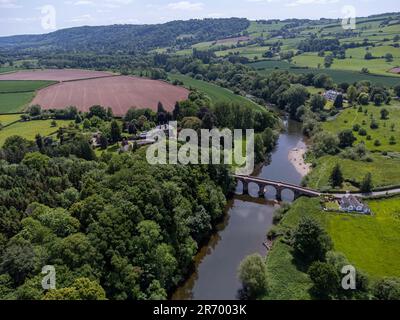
(242,232)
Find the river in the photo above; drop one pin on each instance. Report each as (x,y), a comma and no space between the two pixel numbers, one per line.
(246,223)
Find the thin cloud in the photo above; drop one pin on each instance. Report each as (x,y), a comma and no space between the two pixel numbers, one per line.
(186,6)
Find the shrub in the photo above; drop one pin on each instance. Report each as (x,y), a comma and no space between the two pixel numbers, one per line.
(325,278)
(310,240)
(252,274)
(362,132)
(387,289)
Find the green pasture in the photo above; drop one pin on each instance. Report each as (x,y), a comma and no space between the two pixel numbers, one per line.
(29,130)
(216,93)
(385,171)
(338,76)
(351,116)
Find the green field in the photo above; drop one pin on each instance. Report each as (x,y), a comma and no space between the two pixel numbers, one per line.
(6,69)
(6,119)
(16,95)
(338,76)
(384,169)
(22,86)
(15,102)
(351,116)
(249,52)
(215,93)
(29,130)
(354,60)
(370,243)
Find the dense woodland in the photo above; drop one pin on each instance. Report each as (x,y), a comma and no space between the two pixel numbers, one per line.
(121,228)
(131,39)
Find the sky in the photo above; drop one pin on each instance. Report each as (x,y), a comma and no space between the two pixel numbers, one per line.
(44,16)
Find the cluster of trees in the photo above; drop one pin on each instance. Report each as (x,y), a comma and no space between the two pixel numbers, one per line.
(316,45)
(193,114)
(115,228)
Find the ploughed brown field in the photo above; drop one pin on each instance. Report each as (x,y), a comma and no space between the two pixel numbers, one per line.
(395,70)
(54,75)
(120,93)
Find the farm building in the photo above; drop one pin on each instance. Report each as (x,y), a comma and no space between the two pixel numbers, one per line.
(350,203)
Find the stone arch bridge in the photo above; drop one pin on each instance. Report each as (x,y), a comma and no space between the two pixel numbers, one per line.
(279,187)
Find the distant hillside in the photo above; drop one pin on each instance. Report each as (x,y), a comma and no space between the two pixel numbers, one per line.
(126,38)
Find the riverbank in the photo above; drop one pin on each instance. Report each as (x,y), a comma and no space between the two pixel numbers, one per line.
(248,218)
(296,158)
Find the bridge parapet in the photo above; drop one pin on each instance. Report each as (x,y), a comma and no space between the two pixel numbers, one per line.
(279,187)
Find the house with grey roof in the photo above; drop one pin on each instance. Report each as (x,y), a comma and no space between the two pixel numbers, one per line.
(350,203)
(331,95)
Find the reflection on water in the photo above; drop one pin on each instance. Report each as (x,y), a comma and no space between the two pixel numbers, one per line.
(244,229)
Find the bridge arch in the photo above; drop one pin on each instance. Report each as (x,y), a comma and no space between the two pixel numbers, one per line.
(264,186)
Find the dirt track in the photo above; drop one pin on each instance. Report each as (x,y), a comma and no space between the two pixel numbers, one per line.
(54,75)
(119,93)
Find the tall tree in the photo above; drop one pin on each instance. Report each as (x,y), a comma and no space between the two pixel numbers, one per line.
(338,104)
(352,94)
(336,178)
(115,131)
(367,184)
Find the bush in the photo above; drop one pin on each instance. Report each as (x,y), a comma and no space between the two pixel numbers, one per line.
(325,278)
(387,289)
(253,275)
(310,240)
(374,124)
(362,132)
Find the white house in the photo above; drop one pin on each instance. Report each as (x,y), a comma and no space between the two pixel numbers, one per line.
(350,203)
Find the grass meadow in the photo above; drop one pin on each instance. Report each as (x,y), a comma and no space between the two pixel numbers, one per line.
(338,76)
(29,130)
(216,93)
(351,116)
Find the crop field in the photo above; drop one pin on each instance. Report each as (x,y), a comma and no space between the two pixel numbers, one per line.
(29,130)
(16,95)
(268,66)
(120,93)
(350,117)
(54,75)
(15,102)
(216,93)
(14,86)
(6,69)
